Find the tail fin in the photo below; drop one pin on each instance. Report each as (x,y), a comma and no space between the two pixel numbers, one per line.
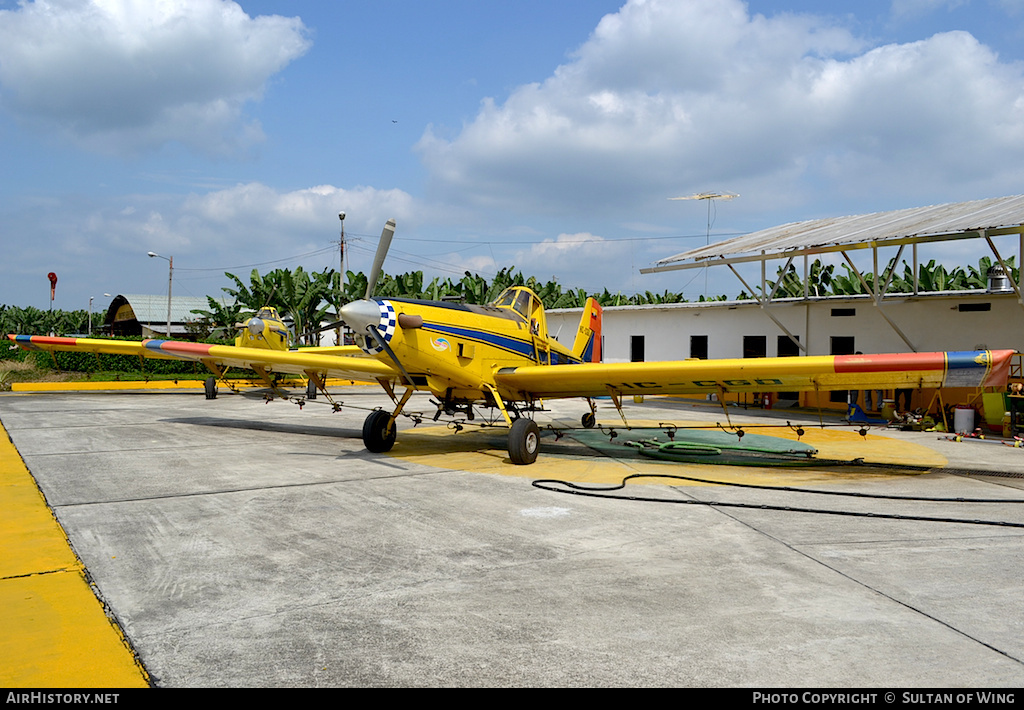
(588,337)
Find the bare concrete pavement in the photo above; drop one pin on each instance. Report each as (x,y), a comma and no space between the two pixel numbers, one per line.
(244,544)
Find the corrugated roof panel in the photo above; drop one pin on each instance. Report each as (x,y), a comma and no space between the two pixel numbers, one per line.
(150,308)
(879,227)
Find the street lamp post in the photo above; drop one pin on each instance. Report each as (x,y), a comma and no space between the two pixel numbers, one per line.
(170,278)
(90,316)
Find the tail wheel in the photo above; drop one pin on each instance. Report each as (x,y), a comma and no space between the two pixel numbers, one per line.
(379,432)
(589,420)
(523,441)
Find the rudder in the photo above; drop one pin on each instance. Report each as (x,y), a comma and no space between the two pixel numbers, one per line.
(587,346)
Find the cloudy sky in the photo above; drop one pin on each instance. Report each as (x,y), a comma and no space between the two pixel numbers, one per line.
(545,135)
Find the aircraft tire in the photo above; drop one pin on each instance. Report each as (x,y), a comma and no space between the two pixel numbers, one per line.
(374,438)
(523,441)
(589,420)
(210,385)
(310,389)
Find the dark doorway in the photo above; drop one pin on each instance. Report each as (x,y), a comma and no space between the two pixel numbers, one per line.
(636,348)
(787,348)
(699,346)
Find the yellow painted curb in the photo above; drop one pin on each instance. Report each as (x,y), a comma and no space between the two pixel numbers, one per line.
(86,386)
(99,386)
(56,631)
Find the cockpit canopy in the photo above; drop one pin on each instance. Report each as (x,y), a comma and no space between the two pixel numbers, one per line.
(518,298)
(525,303)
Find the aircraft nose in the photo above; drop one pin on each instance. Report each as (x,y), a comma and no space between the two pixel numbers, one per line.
(361,314)
(255,326)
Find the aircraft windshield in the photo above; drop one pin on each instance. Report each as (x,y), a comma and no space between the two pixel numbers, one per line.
(506,299)
(517,299)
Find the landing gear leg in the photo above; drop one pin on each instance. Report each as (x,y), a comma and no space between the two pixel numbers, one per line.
(590,419)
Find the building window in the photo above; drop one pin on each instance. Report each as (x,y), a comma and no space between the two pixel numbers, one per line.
(699,347)
(842,345)
(755,346)
(786,347)
(636,348)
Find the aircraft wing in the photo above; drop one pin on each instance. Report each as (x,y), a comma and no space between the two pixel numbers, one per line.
(982,368)
(346,362)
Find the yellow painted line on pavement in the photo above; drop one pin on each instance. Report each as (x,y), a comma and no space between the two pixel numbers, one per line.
(56,633)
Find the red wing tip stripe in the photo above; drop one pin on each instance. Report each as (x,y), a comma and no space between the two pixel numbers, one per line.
(176,346)
(43,339)
(890,362)
(35,342)
(969,368)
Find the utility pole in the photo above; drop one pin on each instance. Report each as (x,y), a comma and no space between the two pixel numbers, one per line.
(341,275)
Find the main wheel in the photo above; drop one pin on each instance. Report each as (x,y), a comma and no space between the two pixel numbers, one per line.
(523,441)
(379,432)
(210,385)
(310,389)
(589,420)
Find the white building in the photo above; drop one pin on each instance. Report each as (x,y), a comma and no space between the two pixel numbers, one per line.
(878,322)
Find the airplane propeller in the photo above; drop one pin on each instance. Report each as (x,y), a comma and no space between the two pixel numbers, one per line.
(363,316)
(378,259)
(372,331)
(358,317)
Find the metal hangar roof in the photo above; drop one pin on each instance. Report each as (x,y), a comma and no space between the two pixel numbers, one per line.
(958,220)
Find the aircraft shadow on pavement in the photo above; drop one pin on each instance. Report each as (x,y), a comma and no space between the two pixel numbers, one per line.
(262,425)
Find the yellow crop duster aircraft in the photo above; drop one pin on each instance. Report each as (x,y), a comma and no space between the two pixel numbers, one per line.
(501,356)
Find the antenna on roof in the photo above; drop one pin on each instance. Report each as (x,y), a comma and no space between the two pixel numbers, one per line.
(710,197)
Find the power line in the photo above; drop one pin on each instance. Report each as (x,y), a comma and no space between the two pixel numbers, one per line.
(599,240)
(265,263)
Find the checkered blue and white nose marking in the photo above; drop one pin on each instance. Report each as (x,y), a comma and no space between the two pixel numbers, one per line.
(386,327)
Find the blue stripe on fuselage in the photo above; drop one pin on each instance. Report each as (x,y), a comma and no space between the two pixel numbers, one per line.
(523,348)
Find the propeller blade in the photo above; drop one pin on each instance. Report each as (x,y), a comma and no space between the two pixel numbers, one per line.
(378,260)
(379,339)
(321,329)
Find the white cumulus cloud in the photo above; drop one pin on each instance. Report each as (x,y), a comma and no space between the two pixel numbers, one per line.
(669,97)
(130,75)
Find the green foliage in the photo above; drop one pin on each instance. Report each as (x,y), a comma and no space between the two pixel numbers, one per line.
(220,319)
(475,289)
(301,296)
(824,281)
(33,321)
(135,368)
